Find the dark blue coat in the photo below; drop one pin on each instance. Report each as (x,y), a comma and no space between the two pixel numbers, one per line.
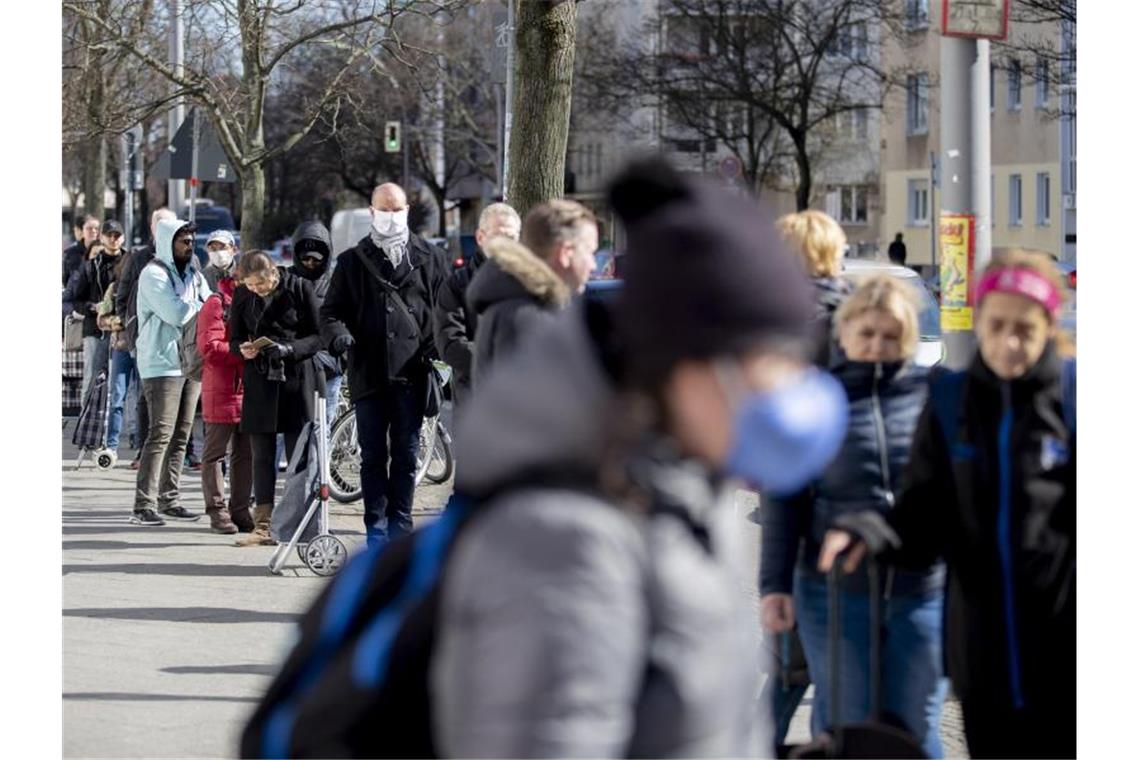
(885,401)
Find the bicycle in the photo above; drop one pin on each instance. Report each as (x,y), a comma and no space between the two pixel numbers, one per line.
(434,461)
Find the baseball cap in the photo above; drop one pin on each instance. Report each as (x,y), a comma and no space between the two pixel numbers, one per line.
(221,236)
(110,226)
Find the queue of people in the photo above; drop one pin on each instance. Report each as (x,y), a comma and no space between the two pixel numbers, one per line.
(592,604)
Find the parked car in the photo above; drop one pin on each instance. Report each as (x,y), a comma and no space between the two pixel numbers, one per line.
(931,349)
(349,226)
(209,217)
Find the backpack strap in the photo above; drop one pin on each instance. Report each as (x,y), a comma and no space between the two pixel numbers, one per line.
(946,397)
(1069,395)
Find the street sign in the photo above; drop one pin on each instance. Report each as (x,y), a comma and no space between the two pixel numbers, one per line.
(502,43)
(956,273)
(730,167)
(392,137)
(977,19)
(177,161)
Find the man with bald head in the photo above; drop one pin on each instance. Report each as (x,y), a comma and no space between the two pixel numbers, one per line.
(378,310)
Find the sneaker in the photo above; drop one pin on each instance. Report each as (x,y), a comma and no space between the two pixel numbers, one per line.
(180,513)
(146,517)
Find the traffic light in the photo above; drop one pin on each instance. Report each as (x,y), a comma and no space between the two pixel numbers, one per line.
(392,137)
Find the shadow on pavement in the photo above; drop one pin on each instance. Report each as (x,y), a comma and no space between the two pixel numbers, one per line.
(252,669)
(183,614)
(157,568)
(114,696)
(116,545)
(87,528)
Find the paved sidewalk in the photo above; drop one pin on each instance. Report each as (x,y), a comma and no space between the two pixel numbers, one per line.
(172,633)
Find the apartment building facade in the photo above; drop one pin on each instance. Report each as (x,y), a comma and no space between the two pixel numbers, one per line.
(1025,135)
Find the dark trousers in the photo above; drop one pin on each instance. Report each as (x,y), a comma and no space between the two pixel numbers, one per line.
(171,401)
(264,447)
(219,436)
(143,421)
(395,414)
(997,732)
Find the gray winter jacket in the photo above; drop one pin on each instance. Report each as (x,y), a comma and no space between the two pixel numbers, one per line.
(572,626)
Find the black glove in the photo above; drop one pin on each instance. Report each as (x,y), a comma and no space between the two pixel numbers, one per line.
(277,351)
(341,344)
(870,526)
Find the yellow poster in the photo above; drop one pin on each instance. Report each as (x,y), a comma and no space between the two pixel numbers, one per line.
(956,246)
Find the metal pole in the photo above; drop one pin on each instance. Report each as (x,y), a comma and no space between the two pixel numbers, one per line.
(508,109)
(934,262)
(406,131)
(128,189)
(193,164)
(175,191)
(980,155)
(499,185)
(956,56)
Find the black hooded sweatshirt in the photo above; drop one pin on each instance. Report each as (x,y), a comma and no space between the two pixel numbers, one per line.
(313,236)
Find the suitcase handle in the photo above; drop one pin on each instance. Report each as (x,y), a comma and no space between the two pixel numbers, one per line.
(835,636)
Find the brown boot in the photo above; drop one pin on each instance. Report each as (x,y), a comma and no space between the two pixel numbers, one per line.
(260,535)
(242,518)
(220,521)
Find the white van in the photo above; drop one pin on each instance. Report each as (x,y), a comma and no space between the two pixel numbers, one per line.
(349,226)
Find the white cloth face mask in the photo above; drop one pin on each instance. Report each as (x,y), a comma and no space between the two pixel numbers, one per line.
(390,222)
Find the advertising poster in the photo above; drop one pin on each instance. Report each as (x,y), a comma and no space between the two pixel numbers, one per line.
(956,246)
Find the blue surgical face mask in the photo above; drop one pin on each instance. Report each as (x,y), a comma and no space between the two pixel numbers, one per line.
(782,438)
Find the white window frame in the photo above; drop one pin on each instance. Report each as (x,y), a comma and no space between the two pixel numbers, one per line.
(918,203)
(1041,75)
(1015,193)
(1044,200)
(918,104)
(849,196)
(1013,86)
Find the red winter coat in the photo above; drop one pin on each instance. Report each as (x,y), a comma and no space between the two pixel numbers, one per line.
(221,370)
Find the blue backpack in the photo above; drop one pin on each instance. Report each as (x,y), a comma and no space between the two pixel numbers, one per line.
(946,395)
(356,684)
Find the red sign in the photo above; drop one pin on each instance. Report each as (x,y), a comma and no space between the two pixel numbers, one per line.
(975,19)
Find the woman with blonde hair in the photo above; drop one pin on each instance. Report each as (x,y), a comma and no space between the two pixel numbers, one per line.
(877,332)
(819,241)
(991,489)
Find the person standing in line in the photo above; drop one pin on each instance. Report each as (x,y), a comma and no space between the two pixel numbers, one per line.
(991,489)
(86,233)
(222,392)
(877,329)
(170,294)
(222,253)
(454,322)
(279,378)
(381,299)
(86,290)
(312,261)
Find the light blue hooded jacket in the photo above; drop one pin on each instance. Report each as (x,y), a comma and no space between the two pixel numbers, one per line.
(166,302)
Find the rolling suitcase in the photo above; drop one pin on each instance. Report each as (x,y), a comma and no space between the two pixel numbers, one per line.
(874,738)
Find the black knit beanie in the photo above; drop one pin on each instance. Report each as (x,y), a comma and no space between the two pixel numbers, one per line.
(706,272)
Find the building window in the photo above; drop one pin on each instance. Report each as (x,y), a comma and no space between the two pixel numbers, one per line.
(851,124)
(1042,77)
(852,42)
(1043,210)
(1013,79)
(917,14)
(1015,200)
(917,104)
(918,205)
(853,204)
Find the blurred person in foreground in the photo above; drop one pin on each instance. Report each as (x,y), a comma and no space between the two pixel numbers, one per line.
(595,603)
(877,329)
(991,489)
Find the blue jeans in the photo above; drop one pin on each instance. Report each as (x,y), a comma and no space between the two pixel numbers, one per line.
(332,391)
(122,370)
(913,687)
(394,414)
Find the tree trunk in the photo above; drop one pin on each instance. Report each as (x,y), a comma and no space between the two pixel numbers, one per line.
(94,175)
(543,82)
(803,164)
(253,208)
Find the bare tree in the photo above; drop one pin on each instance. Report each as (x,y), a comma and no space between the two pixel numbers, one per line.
(1037,39)
(543,81)
(271,38)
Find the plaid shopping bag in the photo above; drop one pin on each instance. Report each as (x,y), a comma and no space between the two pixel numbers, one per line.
(73,363)
(91,427)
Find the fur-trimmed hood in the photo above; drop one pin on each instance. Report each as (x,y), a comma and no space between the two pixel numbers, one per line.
(514,271)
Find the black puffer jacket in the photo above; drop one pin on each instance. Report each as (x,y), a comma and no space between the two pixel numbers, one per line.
(885,401)
(388,347)
(455,324)
(830,292)
(73,257)
(87,287)
(1000,507)
(509,295)
(288,315)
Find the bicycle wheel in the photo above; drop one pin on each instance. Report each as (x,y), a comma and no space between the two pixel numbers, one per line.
(345,484)
(427,443)
(441,465)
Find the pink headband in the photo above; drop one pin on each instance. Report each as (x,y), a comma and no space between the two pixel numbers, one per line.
(1023,282)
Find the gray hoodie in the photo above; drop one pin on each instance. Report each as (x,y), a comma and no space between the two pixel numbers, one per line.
(571,625)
